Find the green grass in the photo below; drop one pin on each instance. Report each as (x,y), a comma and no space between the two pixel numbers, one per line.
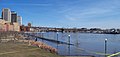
(11,49)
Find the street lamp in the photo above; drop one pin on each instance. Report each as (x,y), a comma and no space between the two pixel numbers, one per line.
(42,34)
(69,39)
(105,47)
(69,44)
(57,40)
(57,37)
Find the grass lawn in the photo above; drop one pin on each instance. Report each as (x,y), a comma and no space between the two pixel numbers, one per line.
(17,49)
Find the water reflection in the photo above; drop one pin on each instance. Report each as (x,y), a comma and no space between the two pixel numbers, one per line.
(84,43)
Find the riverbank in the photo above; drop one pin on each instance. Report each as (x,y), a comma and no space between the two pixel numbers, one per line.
(14,44)
(21,49)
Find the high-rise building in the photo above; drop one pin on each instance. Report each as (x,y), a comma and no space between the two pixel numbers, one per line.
(19,20)
(6,14)
(13,16)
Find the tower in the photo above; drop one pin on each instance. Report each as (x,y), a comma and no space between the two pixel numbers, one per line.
(19,20)
(6,14)
(13,16)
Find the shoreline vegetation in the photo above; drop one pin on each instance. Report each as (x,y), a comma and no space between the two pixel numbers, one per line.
(74,30)
(14,44)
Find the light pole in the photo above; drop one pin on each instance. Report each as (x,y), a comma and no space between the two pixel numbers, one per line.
(105,47)
(69,39)
(57,37)
(57,40)
(69,44)
(43,34)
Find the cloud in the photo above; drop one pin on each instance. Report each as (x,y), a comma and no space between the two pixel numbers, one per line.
(95,15)
(97,10)
(71,18)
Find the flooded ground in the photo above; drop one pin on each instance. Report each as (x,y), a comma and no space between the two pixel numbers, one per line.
(84,43)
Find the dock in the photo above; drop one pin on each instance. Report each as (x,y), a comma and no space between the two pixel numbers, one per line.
(51,40)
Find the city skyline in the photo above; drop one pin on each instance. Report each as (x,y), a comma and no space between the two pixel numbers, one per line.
(11,16)
(9,20)
(67,13)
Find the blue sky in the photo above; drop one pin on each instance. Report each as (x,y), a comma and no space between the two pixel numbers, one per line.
(67,13)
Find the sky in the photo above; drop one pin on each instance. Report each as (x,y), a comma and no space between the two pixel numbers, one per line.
(67,13)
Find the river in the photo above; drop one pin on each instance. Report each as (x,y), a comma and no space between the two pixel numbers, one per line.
(84,43)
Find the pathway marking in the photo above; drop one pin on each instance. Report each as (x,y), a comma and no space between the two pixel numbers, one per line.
(114,54)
